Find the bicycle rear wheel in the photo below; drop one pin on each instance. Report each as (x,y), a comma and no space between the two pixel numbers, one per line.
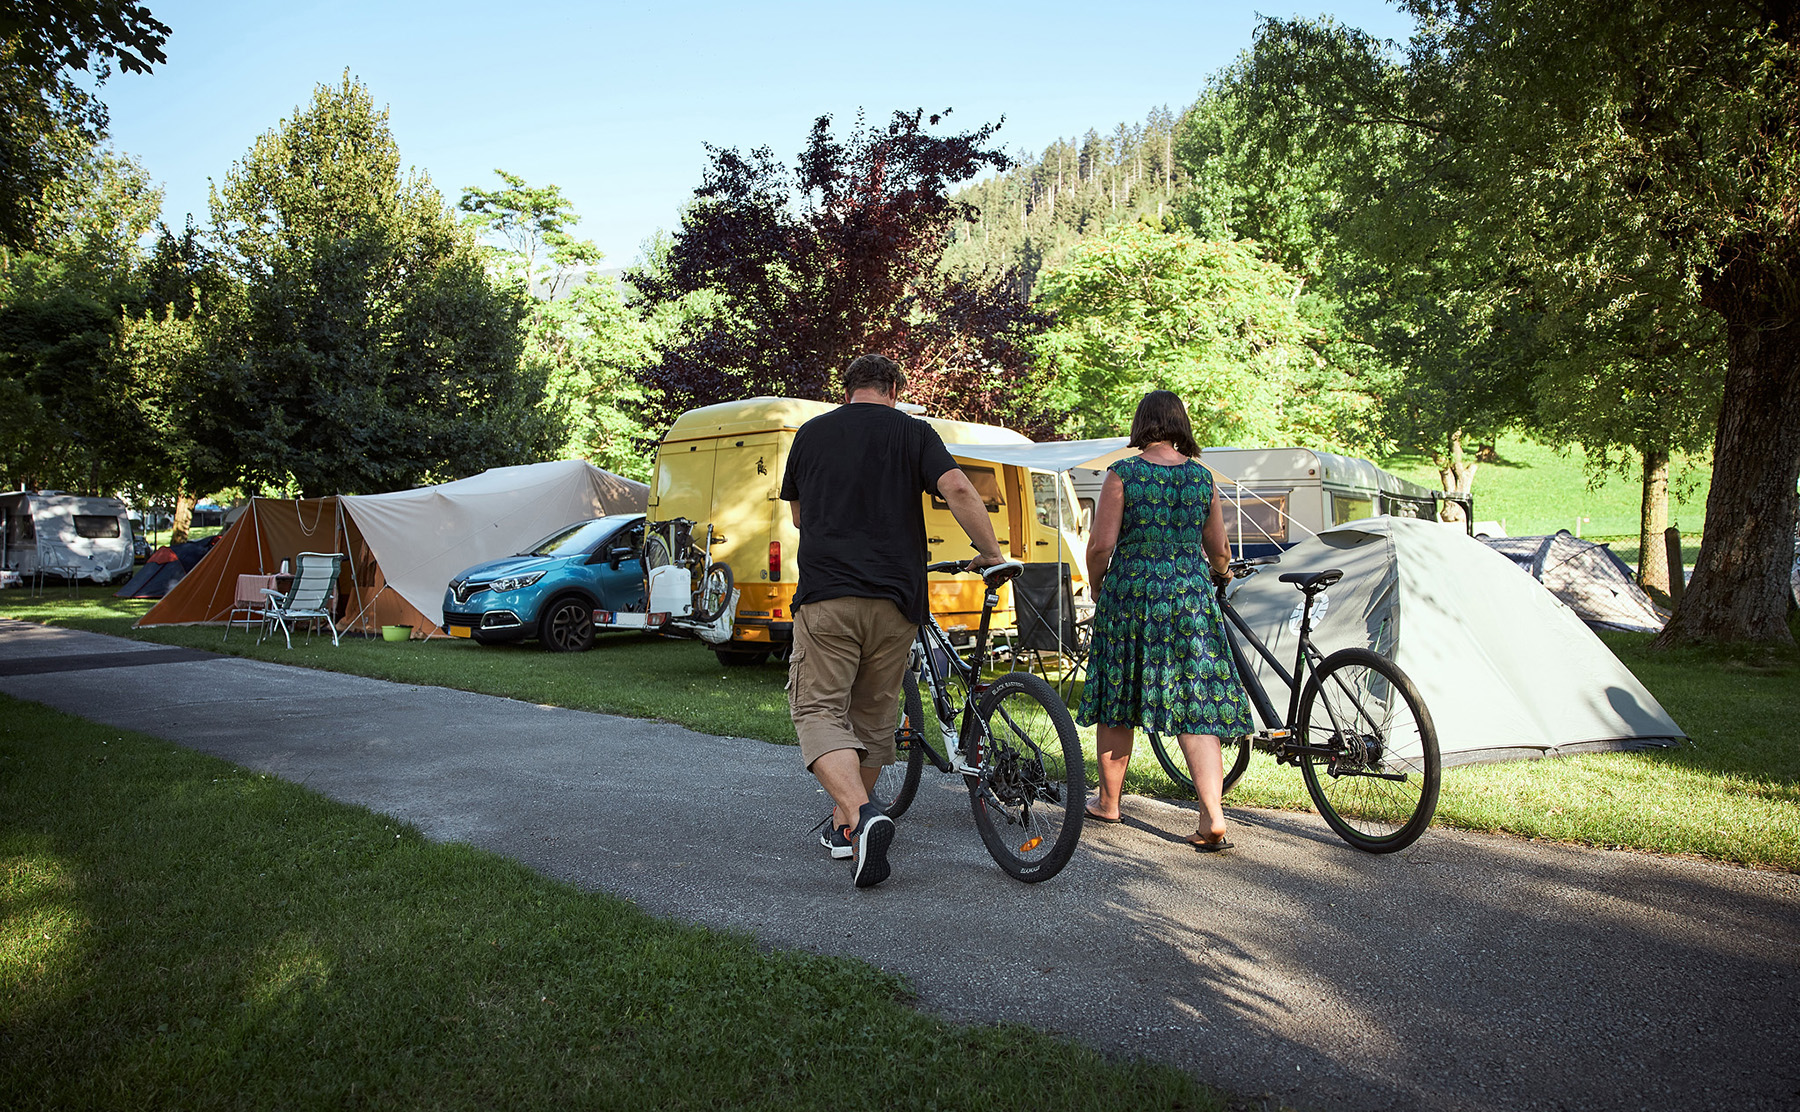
(1234,751)
(899,782)
(1378,788)
(1031,793)
(714,594)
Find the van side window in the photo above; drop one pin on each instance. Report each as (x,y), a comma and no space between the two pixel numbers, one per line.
(987,484)
(95,527)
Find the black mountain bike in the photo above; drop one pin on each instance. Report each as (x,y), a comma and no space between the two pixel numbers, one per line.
(1356,728)
(1011,740)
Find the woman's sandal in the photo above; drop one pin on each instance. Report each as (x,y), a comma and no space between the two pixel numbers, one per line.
(1208,845)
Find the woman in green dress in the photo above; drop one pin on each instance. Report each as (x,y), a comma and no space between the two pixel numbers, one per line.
(1159,659)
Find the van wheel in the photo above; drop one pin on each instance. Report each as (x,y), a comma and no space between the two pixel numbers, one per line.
(567,626)
(740,658)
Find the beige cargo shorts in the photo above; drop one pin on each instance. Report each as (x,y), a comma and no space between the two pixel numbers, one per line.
(844,677)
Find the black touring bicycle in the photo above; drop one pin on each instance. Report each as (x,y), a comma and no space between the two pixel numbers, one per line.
(1355,727)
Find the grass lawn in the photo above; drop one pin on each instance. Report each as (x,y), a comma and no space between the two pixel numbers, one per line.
(178,932)
(1733,794)
(1536,490)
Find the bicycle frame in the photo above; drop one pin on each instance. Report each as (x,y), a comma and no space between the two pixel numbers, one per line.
(1279,733)
(933,643)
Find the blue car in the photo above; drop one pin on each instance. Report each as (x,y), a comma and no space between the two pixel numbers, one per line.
(550,590)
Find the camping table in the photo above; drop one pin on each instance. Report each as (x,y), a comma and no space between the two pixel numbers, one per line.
(250,601)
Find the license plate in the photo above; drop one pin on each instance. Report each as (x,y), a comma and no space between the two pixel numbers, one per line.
(460,631)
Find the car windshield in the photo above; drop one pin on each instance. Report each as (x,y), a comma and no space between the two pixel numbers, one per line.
(576,540)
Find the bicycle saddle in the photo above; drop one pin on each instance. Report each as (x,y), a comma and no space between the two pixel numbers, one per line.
(1310,581)
(1001,573)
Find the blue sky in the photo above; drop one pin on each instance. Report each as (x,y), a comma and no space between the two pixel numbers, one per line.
(613,101)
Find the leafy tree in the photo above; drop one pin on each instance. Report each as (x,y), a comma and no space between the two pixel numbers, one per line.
(1139,309)
(1590,130)
(843,255)
(74,419)
(1312,146)
(373,352)
(49,123)
(579,336)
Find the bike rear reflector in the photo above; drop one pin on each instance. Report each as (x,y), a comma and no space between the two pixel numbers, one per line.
(774,561)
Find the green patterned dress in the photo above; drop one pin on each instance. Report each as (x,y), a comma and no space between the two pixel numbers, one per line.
(1159,659)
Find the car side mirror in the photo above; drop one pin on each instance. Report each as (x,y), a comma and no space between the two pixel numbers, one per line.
(618,556)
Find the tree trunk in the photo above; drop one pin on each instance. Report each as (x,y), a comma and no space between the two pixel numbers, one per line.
(1740,584)
(1653,518)
(1456,475)
(184,515)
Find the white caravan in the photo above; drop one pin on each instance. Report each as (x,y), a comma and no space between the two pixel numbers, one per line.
(68,536)
(1274,498)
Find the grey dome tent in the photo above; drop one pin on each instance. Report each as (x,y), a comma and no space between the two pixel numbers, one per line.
(1506,669)
(1588,577)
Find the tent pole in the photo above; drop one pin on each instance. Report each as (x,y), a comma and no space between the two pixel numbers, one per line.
(350,559)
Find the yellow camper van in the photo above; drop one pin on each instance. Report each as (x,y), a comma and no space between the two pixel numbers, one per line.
(723,464)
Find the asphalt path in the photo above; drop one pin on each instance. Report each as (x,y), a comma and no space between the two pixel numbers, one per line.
(1470,972)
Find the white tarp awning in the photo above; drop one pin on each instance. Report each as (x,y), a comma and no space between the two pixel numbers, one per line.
(1057,455)
(423,537)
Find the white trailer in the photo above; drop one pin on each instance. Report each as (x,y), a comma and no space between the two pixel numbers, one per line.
(68,536)
(1274,498)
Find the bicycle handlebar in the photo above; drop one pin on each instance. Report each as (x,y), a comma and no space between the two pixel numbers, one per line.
(992,576)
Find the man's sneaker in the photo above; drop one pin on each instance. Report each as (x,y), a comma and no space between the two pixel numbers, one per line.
(869,841)
(833,839)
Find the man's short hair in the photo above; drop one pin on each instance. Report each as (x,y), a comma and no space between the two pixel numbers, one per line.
(876,371)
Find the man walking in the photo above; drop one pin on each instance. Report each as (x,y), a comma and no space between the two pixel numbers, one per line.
(854,482)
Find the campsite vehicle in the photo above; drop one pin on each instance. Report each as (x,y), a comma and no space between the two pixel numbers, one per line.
(551,589)
(1276,497)
(722,465)
(69,536)
(400,547)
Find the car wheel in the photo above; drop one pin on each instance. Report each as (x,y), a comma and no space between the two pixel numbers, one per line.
(567,625)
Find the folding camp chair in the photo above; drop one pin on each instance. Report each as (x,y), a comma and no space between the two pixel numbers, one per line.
(1051,637)
(308,598)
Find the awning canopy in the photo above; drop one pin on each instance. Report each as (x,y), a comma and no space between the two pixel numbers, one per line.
(1057,455)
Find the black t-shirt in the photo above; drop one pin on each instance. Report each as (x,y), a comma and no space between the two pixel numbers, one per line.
(857,473)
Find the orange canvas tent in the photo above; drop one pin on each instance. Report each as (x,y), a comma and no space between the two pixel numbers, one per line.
(401,548)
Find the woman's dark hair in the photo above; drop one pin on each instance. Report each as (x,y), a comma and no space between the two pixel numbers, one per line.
(873,370)
(1161,416)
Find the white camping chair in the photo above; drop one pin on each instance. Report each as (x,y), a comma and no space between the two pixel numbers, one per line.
(308,598)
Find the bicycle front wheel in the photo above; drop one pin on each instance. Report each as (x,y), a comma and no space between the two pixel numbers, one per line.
(899,782)
(1234,752)
(1031,792)
(1376,781)
(656,551)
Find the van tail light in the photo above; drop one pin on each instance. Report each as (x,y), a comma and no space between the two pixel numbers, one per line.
(774,561)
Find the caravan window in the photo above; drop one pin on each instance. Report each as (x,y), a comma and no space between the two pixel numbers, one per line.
(987,484)
(1346,507)
(20,530)
(1255,516)
(95,527)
